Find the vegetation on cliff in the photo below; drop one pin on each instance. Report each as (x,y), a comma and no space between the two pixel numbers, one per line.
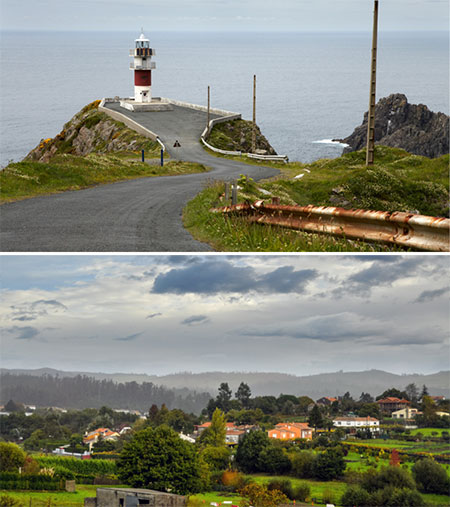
(92,149)
(91,131)
(236,135)
(398,181)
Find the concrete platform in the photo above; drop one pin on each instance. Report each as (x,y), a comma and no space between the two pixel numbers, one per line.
(156,104)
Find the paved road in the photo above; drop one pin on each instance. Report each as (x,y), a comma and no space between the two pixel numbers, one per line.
(141,215)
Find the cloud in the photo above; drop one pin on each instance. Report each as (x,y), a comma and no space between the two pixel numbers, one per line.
(329,328)
(212,278)
(429,295)
(23,333)
(195,319)
(129,337)
(153,315)
(39,308)
(383,272)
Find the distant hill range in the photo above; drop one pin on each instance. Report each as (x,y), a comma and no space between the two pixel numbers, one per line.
(400,124)
(315,386)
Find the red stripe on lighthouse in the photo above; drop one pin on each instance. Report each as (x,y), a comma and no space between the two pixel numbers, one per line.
(142,77)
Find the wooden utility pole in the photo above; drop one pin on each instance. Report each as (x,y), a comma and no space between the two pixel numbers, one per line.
(254,116)
(209,104)
(373,82)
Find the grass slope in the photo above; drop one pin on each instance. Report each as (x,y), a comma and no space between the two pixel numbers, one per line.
(397,182)
(25,179)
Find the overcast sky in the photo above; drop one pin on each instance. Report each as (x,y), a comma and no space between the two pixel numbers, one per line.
(163,314)
(258,15)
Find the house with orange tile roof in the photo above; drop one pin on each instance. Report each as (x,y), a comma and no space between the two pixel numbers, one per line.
(93,437)
(326,401)
(291,431)
(234,433)
(391,404)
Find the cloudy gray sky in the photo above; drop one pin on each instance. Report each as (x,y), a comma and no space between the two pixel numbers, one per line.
(163,314)
(258,15)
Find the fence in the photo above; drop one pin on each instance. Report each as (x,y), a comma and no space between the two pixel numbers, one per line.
(404,229)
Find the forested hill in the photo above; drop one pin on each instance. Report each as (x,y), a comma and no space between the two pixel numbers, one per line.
(82,391)
(270,383)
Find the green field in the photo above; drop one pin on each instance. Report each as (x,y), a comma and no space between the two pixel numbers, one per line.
(55,499)
(413,447)
(428,432)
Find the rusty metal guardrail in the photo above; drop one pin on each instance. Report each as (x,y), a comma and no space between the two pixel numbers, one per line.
(404,229)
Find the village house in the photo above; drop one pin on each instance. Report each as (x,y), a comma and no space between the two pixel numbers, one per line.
(234,433)
(291,431)
(392,404)
(94,436)
(356,423)
(407,413)
(326,401)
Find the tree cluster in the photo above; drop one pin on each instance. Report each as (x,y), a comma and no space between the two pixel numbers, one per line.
(395,486)
(256,453)
(259,405)
(82,391)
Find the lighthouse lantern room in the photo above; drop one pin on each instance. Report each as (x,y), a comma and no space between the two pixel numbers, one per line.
(142,66)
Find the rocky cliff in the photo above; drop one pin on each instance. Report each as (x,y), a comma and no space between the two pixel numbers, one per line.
(91,131)
(399,124)
(236,135)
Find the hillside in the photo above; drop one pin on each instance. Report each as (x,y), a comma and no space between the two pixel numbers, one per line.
(398,181)
(91,149)
(269,383)
(91,131)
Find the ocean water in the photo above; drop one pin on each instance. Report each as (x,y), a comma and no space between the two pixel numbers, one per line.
(311,87)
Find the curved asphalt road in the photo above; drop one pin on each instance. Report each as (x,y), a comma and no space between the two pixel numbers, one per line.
(142,215)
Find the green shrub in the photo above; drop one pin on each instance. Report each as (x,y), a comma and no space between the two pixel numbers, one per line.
(301,492)
(63,473)
(283,485)
(355,496)
(302,464)
(9,501)
(431,477)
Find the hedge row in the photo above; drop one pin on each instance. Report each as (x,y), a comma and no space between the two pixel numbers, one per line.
(14,481)
(79,466)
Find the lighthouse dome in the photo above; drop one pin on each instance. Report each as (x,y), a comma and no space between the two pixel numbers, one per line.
(142,38)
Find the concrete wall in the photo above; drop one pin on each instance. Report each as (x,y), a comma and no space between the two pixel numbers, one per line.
(116,497)
(124,119)
(200,108)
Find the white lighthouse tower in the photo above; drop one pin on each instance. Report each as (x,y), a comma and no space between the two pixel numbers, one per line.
(142,65)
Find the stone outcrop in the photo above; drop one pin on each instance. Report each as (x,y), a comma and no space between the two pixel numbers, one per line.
(89,131)
(236,135)
(399,124)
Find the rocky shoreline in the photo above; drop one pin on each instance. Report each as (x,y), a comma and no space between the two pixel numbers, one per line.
(399,124)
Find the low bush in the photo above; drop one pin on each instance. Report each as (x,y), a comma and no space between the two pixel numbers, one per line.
(283,485)
(301,492)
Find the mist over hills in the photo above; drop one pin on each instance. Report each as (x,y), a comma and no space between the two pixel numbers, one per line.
(261,383)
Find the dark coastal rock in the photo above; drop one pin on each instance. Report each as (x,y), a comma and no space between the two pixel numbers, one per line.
(399,124)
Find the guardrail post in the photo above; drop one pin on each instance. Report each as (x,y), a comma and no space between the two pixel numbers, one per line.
(234,193)
(143,156)
(162,157)
(227,192)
